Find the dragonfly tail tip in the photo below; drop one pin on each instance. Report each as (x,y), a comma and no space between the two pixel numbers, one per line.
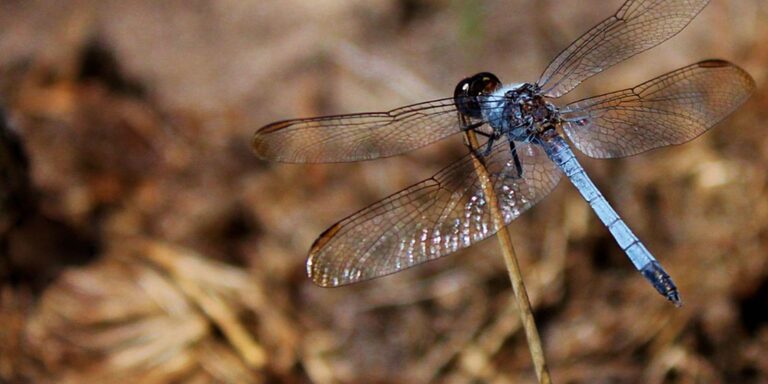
(660,280)
(674,297)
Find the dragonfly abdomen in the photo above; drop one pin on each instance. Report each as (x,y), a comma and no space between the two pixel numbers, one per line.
(559,151)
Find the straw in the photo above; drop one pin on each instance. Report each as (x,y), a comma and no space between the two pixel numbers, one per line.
(510,259)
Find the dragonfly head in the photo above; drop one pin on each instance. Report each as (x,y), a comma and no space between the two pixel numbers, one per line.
(467,91)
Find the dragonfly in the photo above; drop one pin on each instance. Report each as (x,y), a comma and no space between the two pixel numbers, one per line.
(525,150)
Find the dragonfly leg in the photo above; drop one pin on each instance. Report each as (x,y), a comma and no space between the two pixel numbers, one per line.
(473,127)
(488,145)
(516,159)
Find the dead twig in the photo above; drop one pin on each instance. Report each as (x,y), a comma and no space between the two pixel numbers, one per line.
(510,259)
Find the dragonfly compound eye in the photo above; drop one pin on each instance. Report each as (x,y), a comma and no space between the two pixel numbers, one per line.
(467,91)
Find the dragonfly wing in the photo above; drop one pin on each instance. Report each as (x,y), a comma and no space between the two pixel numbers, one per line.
(360,136)
(670,109)
(430,219)
(638,26)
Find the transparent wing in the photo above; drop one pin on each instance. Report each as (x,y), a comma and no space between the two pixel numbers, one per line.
(360,136)
(430,219)
(639,25)
(670,109)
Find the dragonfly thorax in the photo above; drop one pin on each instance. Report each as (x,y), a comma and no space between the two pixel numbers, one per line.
(517,110)
(520,112)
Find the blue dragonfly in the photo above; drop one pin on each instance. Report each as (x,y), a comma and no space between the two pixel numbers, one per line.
(525,152)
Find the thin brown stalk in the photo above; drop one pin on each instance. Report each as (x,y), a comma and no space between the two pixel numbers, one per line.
(510,259)
(219,312)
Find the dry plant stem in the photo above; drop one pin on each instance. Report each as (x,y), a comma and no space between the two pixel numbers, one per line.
(521,295)
(251,352)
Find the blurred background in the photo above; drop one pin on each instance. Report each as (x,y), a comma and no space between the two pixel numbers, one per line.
(142,240)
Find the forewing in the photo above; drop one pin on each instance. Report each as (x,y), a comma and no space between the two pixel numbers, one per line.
(670,109)
(430,219)
(639,25)
(360,136)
